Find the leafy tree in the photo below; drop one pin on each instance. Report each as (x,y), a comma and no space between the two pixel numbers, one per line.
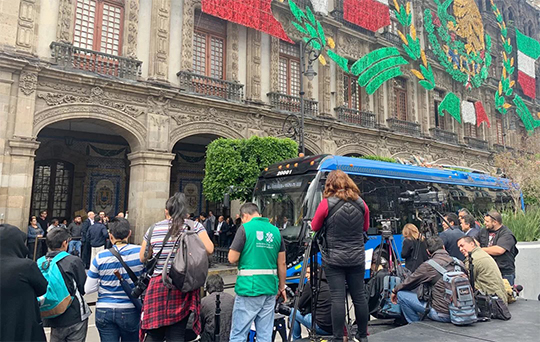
(239,162)
(523,168)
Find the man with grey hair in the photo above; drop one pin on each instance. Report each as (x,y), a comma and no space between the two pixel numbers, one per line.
(215,286)
(499,242)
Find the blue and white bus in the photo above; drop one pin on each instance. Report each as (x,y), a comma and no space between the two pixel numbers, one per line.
(293,189)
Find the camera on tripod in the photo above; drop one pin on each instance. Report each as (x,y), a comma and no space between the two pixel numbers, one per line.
(422,197)
(386,229)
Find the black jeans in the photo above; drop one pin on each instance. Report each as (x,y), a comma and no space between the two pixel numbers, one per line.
(169,333)
(354,275)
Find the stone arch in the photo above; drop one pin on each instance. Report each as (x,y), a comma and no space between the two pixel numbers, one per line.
(313,147)
(354,148)
(444,161)
(481,167)
(202,127)
(126,126)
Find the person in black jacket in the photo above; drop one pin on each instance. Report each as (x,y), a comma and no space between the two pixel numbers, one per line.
(343,217)
(323,315)
(215,286)
(21,283)
(97,236)
(414,247)
(86,252)
(451,234)
(72,325)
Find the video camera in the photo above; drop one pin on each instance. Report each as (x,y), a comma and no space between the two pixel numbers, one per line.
(428,203)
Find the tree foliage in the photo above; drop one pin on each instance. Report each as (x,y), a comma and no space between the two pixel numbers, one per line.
(523,168)
(239,162)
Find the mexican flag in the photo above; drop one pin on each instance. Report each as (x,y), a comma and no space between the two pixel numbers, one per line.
(528,53)
(369,14)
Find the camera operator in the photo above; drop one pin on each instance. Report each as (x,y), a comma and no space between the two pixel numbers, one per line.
(323,317)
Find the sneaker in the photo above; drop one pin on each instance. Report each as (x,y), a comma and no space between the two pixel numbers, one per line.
(360,339)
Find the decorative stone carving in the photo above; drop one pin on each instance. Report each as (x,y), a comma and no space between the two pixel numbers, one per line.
(274,64)
(188,26)
(28,82)
(28,11)
(132,24)
(190,114)
(324,90)
(64,31)
(350,47)
(340,90)
(256,120)
(97,95)
(158,105)
(232,48)
(253,87)
(159,42)
(158,132)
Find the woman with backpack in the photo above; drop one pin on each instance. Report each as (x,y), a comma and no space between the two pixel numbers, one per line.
(414,247)
(166,310)
(341,219)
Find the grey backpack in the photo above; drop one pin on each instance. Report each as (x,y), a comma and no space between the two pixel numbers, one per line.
(189,267)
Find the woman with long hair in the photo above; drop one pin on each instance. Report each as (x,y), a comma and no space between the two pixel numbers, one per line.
(342,218)
(166,311)
(34,233)
(414,250)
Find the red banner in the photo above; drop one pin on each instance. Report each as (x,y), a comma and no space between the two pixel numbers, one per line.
(369,14)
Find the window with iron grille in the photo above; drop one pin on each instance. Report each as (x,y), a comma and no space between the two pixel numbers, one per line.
(400,104)
(471,131)
(209,46)
(352,96)
(52,188)
(289,69)
(99,25)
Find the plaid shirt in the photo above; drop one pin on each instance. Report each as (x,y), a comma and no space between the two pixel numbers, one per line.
(163,306)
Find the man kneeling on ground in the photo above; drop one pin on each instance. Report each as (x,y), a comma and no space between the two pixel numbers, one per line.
(426,275)
(486,274)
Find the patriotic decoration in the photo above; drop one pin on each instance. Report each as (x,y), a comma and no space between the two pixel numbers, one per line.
(369,14)
(528,53)
(320,6)
(468,112)
(256,14)
(481,115)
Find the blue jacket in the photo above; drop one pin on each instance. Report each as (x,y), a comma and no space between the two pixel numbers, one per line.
(97,234)
(450,238)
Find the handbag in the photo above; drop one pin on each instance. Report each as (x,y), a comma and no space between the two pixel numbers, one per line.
(500,309)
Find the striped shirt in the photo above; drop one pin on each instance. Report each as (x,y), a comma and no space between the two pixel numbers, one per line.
(101,276)
(160,230)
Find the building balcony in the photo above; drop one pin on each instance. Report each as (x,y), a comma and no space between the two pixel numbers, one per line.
(502,148)
(404,127)
(477,144)
(356,117)
(392,38)
(291,104)
(211,87)
(444,136)
(70,57)
(337,14)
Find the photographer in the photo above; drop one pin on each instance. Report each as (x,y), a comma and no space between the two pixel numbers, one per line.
(323,318)
(214,287)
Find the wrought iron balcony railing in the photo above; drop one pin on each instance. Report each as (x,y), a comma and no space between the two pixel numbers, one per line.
(476,143)
(392,38)
(337,13)
(404,127)
(444,136)
(356,117)
(211,87)
(291,104)
(71,57)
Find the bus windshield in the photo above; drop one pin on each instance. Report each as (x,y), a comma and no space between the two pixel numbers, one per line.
(285,202)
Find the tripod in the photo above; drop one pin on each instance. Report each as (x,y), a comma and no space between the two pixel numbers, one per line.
(387,239)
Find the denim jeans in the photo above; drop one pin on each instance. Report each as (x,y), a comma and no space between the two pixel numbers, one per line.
(114,324)
(75,245)
(510,277)
(248,309)
(413,308)
(73,333)
(305,321)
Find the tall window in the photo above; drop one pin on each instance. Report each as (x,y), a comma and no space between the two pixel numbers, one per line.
(500,130)
(471,131)
(289,69)
(400,105)
(98,25)
(352,92)
(209,46)
(53,185)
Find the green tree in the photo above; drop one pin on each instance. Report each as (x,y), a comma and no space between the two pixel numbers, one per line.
(239,162)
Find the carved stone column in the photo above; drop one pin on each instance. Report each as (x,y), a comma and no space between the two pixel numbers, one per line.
(340,89)
(66,11)
(148,189)
(27,25)
(274,64)
(158,67)
(188,26)
(324,90)
(26,103)
(253,86)
(131,28)
(232,49)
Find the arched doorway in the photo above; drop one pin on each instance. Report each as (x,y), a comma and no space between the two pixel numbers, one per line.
(80,166)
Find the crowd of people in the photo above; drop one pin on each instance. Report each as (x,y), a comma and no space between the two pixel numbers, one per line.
(95,255)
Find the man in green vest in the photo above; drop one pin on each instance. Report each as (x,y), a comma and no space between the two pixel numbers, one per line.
(260,253)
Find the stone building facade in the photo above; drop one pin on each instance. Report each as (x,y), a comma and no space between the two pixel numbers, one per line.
(109,104)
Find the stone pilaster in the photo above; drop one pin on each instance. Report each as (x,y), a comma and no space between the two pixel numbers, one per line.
(158,67)
(27,25)
(66,10)
(274,64)
(232,48)
(26,103)
(149,183)
(324,78)
(253,86)
(187,34)
(131,28)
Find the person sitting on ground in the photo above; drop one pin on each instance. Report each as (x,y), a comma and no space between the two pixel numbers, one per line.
(405,293)
(323,316)
(215,286)
(499,242)
(72,325)
(451,235)
(116,316)
(21,282)
(468,224)
(414,247)
(486,274)
(97,236)
(375,285)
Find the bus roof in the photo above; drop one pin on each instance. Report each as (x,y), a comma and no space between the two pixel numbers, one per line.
(365,167)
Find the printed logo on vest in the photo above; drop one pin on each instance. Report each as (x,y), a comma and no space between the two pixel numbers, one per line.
(260,235)
(269,237)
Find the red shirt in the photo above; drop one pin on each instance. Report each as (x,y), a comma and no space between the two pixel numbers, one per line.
(322,212)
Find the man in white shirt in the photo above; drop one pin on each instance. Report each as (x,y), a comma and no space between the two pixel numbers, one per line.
(285,223)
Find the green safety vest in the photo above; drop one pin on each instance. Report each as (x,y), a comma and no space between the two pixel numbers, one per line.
(257,268)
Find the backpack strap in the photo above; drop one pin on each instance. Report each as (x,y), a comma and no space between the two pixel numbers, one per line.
(437,266)
(147,249)
(126,267)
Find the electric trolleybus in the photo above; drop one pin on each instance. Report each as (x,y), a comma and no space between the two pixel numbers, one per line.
(394,193)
